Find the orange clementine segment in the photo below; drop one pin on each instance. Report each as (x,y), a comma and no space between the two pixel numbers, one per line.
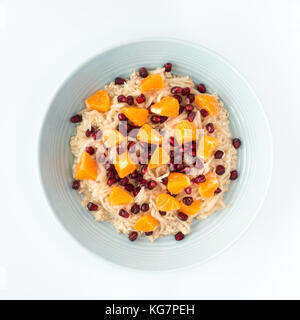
(209,103)
(86,168)
(185,131)
(149,135)
(152,82)
(98,101)
(177,182)
(118,196)
(165,202)
(206,147)
(192,209)
(158,158)
(112,137)
(206,189)
(146,223)
(124,165)
(167,106)
(137,116)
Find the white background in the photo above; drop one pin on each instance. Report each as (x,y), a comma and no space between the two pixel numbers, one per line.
(42,42)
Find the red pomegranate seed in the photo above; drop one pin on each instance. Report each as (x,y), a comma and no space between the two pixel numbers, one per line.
(149,233)
(140,99)
(144,169)
(219,154)
(210,127)
(123,181)
(136,191)
(176,90)
(201,87)
(101,157)
(130,100)
(151,184)
(233,175)
(89,132)
(191,116)
(155,119)
(133,175)
(189,108)
(236,143)
(185,91)
(163,119)
(218,190)
(122,117)
(181,109)
(122,98)
(168,67)
(144,182)
(76,118)
(176,96)
(111,173)
(90,150)
(220,170)
(199,179)
(139,177)
(162,213)
(179,236)
(204,113)
(188,190)
(191,97)
(129,187)
(187,201)
(119,80)
(109,166)
(76,184)
(123,213)
(182,216)
(133,236)
(145,207)
(111,181)
(97,134)
(179,166)
(135,209)
(164,181)
(143,72)
(92,206)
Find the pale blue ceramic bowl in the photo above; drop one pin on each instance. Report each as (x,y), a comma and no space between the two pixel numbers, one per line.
(248,122)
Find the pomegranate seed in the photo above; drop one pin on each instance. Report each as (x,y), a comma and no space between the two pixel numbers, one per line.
(143,72)
(185,91)
(218,190)
(123,181)
(210,127)
(145,207)
(164,181)
(89,132)
(151,184)
(181,109)
(191,116)
(191,97)
(140,99)
(219,154)
(92,206)
(155,119)
(198,164)
(233,175)
(136,191)
(179,236)
(109,166)
(199,179)
(201,87)
(220,170)
(168,67)
(162,213)
(133,175)
(111,173)
(149,233)
(144,182)
(187,201)
(90,150)
(97,134)
(123,213)
(129,187)
(111,181)
(189,108)
(119,80)
(144,169)
(204,113)
(76,118)
(176,96)
(139,177)
(179,166)
(122,117)
(182,216)
(101,157)
(188,190)
(163,119)
(135,209)
(236,143)
(133,236)
(122,98)
(76,184)
(130,100)
(176,90)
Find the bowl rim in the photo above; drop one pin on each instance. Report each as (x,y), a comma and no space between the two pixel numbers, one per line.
(268,175)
